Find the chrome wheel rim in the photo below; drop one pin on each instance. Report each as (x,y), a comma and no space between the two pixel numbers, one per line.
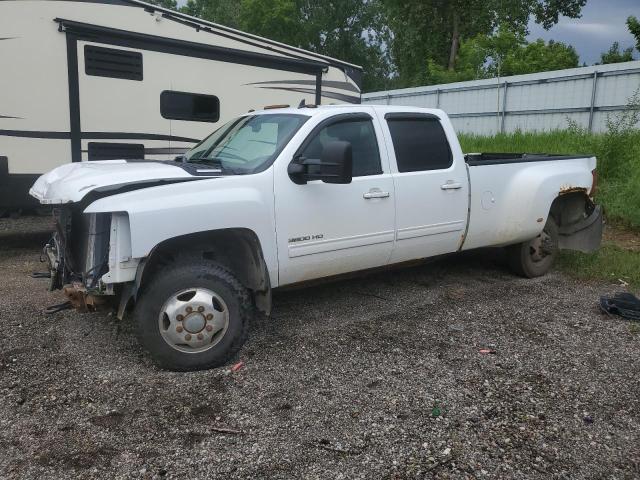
(193,320)
(541,247)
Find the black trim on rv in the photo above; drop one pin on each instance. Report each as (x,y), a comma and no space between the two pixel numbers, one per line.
(325,83)
(143,41)
(96,136)
(336,95)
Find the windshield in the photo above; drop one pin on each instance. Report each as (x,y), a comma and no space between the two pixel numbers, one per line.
(247,144)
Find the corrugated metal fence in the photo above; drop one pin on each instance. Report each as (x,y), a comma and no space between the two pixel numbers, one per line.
(538,101)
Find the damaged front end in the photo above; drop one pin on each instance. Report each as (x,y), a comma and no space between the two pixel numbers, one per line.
(78,256)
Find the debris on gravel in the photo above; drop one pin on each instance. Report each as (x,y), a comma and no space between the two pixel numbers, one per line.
(451,369)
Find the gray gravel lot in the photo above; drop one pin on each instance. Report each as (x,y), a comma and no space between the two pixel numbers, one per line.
(374,377)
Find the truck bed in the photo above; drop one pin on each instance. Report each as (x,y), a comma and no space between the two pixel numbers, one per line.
(479,159)
(511,193)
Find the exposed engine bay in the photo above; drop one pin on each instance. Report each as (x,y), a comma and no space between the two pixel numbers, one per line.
(78,253)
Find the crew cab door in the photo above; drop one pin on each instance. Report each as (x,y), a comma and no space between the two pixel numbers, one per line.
(432,189)
(327,229)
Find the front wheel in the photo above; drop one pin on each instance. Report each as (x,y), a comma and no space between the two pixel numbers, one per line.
(193,316)
(535,258)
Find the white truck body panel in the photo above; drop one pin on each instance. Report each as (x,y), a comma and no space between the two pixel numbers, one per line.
(318,229)
(199,206)
(510,202)
(73,181)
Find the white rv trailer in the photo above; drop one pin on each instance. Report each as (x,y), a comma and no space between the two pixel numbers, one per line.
(90,80)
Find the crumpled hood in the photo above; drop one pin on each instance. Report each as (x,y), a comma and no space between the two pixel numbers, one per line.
(71,182)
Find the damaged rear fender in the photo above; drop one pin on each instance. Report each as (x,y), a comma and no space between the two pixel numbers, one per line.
(580,221)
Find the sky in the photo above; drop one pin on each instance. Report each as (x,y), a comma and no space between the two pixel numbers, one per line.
(601,24)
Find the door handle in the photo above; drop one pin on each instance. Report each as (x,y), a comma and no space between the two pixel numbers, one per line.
(450,185)
(375,193)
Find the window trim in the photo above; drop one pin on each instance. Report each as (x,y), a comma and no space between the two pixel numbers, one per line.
(409,116)
(341,118)
(164,94)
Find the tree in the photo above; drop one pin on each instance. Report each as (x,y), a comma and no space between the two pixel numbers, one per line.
(502,54)
(172,4)
(433,30)
(615,55)
(633,24)
(224,12)
(539,56)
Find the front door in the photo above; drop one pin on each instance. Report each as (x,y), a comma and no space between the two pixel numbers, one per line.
(326,229)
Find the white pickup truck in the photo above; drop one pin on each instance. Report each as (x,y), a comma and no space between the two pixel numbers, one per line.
(285,195)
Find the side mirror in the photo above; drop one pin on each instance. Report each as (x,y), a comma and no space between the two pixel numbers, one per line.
(334,166)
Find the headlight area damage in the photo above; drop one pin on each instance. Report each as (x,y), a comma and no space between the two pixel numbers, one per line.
(87,254)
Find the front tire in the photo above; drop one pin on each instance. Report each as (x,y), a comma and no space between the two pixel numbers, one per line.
(535,257)
(193,316)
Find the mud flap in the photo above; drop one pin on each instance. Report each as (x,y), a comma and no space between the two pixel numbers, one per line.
(585,235)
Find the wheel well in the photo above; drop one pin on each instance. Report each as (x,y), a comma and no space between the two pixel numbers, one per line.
(236,249)
(570,208)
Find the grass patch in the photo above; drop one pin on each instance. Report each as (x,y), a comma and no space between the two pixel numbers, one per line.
(610,263)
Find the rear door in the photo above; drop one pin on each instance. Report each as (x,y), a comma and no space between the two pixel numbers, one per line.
(431,187)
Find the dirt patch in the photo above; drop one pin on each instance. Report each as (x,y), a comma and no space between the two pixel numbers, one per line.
(623,238)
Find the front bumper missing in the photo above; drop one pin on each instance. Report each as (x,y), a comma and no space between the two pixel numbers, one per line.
(81,300)
(585,235)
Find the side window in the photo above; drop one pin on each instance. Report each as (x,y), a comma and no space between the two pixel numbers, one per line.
(112,63)
(364,145)
(420,143)
(189,106)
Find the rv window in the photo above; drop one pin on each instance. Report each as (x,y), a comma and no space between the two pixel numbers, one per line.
(115,151)
(112,63)
(189,106)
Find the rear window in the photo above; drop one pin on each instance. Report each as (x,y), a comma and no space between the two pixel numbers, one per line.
(419,143)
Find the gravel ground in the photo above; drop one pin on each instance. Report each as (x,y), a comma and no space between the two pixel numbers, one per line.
(377,377)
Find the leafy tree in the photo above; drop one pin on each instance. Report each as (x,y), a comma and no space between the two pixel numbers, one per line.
(505,53)
(432,31)
(539,56)
(224,12)
(615,55)
(172,4)
(633,24)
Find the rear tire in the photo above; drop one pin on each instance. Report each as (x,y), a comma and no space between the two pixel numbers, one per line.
(535,257)
(193,316)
